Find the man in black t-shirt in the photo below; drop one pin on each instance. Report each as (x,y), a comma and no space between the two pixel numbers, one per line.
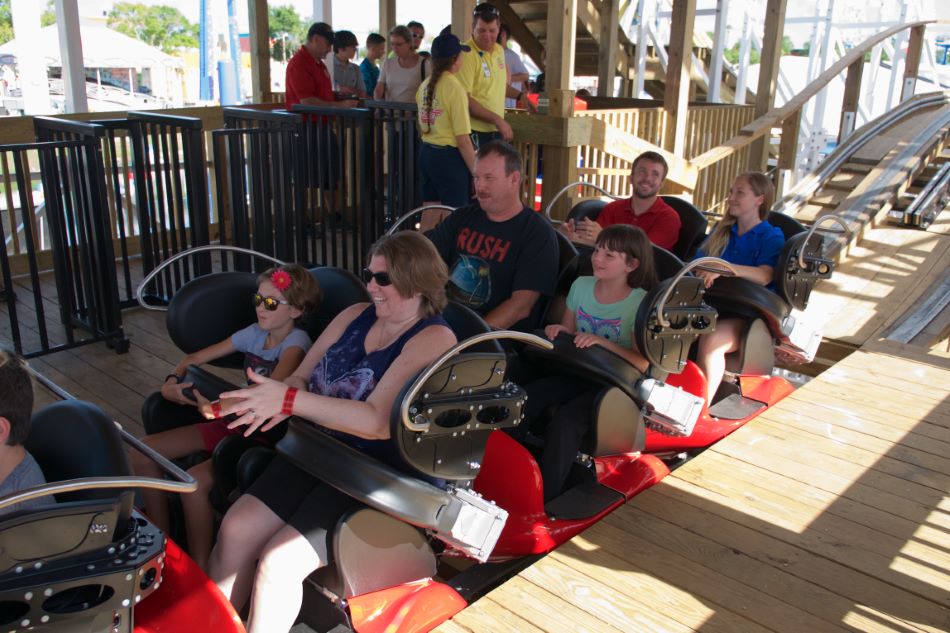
(502,256)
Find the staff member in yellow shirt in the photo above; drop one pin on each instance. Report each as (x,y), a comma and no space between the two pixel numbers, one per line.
(485,77)
(447,157)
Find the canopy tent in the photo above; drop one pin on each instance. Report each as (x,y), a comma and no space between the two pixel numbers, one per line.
(101,48)
(137,65)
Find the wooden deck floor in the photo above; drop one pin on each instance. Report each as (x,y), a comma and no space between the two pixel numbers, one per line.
(830,512)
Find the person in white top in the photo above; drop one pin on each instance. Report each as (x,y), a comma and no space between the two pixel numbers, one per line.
(401,75)
(516,67)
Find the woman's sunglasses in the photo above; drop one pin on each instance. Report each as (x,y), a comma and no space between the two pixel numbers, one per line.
(270,303)
(381,278)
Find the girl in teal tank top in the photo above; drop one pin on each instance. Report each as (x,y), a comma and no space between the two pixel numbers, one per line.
(601,310)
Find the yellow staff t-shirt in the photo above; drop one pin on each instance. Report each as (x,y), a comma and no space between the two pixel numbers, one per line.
(484,77)
(449,117)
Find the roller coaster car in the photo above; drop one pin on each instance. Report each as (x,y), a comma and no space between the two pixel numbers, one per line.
(773,322)
(91,562)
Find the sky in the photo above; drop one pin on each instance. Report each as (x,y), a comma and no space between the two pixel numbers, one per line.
(361,16)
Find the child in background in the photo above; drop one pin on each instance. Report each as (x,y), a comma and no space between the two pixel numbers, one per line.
(375,49)
(18,469)
(347,78)
(274,347)
(601,310)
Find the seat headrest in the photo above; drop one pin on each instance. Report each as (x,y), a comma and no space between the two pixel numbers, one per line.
(692,226)
(688,315)
(589,209)
(734,296)
(340,289)
(566,251)
(789,225)
(73,439)
(209,309)
(666,263)
(466,323)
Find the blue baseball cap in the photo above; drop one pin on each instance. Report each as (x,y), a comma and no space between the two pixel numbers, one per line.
(447,45)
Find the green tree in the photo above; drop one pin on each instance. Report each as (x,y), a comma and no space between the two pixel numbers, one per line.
(6,22)
(286,29)
(161,26)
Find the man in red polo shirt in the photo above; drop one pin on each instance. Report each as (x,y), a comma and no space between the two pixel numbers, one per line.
(644,209)
(308,80)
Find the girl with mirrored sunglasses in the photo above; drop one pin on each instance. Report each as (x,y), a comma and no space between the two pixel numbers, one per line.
(272,346)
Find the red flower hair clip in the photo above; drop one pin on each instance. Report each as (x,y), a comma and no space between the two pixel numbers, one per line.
(280,279)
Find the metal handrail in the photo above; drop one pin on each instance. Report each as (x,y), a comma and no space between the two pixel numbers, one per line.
(413,393)
(409,214)
(547,210)
(192,251)
(814,227)
(703,262)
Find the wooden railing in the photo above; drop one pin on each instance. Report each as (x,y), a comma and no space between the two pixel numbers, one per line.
(715,161)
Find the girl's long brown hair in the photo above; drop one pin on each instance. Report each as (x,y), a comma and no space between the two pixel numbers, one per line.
(761,185)
(634,244)
(439,66)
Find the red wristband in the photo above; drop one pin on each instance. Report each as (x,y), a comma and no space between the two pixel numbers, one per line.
(289,396)
(216,408)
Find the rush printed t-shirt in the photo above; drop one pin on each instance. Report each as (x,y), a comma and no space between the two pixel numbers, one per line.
(449,116)
(484,77)
(490,260)
(612,321)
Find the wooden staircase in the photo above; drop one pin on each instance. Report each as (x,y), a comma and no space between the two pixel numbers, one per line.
(527,20)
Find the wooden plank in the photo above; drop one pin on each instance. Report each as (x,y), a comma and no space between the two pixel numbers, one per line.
(794,595)
(842,417)
(599,582)
(486,615)
(853,528)
(837,475)
(768,80)
(895,516)
(676,87)
(747,536)
(539,606)
(668,566)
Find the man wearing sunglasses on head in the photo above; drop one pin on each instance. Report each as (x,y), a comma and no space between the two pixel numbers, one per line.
(485,77)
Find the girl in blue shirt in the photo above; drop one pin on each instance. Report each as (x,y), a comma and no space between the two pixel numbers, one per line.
(744,239)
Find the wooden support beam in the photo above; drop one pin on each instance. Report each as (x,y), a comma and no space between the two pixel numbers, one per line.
(607,64)
(852,94)
(462,18)
(912,65)
(788,151)
(562,27)
(768,77)
(260,50)
(387,17)
(528,41)
(676,93)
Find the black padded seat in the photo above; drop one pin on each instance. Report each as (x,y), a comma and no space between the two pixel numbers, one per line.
(789,225)
(667,264)
(209,309)
(692,227)
(736,297)
(466,323)
(73,439)
(340,289)
(588,209)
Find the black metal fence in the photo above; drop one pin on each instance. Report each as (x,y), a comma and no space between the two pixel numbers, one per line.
(78,239)
(316,186)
